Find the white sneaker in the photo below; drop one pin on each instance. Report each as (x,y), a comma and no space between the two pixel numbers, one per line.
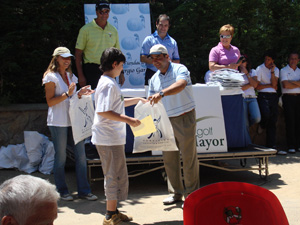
(292,150)
(89,197)
(281,152)
(66,197)
(172,199)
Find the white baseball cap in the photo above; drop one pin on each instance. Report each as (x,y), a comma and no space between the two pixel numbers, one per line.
(158,49)
(63,52)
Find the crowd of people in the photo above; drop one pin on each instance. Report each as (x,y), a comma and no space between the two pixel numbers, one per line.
(99,61)
(262,107)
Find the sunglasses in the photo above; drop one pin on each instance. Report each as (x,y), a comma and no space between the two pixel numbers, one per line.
(102,12)
(225,36)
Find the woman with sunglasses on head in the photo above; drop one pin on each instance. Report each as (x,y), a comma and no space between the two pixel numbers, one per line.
(224,55)
(60,86)
(251,108)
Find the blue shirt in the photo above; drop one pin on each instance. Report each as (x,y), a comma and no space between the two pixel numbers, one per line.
(168,42)
(181,102)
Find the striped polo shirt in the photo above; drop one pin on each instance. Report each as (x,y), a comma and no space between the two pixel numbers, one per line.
(93,40)
(181,102)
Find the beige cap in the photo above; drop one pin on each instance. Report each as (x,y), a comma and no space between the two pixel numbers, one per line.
(62,51)
(158,49)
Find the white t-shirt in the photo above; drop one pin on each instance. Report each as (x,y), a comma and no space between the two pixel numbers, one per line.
(287,73)
(108,97)
(58,115)
(250,91)
(264,77)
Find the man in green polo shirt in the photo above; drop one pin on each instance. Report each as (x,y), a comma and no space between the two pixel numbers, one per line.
(92,40)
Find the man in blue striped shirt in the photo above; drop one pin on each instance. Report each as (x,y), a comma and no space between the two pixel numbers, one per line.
(172,85)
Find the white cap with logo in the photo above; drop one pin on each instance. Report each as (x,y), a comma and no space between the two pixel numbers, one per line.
(158,49)
(62,51)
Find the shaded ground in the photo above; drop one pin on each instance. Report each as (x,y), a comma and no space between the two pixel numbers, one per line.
(146,193)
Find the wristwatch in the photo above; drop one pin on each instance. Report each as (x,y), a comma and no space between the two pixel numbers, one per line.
(161,94)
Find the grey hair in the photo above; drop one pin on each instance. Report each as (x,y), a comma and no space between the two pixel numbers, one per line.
(21,196)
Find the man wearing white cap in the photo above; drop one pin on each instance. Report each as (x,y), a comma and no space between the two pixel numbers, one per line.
(172,85)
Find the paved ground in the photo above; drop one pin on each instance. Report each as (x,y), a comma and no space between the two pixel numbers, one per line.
(147,192)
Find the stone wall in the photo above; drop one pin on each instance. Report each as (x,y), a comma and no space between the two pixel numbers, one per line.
(15,119)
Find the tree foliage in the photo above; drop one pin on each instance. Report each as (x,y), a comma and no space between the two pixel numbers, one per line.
(33,29)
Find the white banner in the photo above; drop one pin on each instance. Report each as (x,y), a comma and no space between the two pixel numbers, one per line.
(210,130)
(133,24)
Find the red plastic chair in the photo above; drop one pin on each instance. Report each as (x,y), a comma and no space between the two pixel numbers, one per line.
(233,203)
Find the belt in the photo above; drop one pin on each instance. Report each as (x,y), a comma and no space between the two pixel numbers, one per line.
(182,114)
(269,93)
(250,96)
(293,94)
(95,64)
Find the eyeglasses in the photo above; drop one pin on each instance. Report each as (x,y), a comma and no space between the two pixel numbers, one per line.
(225,36)
(102,12)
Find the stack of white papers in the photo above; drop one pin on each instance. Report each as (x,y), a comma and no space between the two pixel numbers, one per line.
(227,78)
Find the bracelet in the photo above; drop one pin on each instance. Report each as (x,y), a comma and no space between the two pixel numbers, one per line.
(67,94)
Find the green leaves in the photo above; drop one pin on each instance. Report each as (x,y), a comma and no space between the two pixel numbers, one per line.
(33,29)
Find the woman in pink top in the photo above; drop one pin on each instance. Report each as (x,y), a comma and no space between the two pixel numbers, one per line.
(224,55)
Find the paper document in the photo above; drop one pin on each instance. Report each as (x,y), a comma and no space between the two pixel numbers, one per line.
(146,127)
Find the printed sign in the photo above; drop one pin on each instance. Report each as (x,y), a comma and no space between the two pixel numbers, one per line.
(210,130)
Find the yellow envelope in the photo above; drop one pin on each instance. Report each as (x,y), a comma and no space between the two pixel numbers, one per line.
(146,127)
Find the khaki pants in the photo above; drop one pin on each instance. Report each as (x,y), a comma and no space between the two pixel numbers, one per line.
(184,127)
(114,168)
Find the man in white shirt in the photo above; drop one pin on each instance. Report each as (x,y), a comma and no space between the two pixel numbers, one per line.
(267,75)
(172,85)
(290,82)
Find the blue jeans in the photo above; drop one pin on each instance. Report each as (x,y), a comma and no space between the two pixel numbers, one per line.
(251,111)
(60,137)
(268,105)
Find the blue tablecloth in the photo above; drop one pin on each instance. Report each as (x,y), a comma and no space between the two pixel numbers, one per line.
(129,111)
(235,126)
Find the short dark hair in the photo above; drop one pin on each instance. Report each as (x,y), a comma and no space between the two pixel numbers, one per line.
(109,56)
(270,53)
(294,53)
(163,17)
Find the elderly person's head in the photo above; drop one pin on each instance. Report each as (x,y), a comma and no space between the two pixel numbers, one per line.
(28,200)
(226,33)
